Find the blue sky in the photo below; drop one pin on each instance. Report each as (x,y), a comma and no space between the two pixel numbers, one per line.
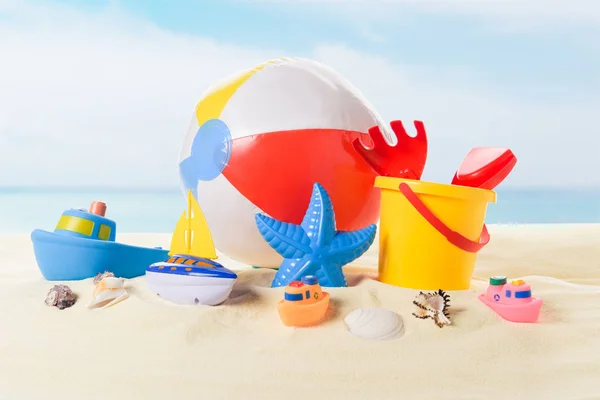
(518,73)
(530,62)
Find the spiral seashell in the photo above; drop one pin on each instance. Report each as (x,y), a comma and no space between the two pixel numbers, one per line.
(108,292)
(433,305)
(61,297)
(100,276)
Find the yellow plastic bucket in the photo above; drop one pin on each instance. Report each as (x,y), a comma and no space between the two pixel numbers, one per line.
(430,233)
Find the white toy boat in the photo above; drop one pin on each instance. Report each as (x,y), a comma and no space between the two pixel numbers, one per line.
(190,276)
(186,279)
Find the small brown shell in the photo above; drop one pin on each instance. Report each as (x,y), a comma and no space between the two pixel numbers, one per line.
(61,297)
(99,277)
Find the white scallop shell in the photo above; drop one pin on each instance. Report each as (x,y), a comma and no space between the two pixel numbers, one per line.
(375,323)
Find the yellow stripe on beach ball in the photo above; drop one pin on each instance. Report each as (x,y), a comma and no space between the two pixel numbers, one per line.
(212,104)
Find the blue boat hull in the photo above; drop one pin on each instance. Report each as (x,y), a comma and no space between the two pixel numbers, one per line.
(65,258)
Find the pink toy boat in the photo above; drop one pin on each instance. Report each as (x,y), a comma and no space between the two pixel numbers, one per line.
(512,301)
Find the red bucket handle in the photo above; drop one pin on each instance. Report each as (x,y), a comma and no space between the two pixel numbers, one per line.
(453,237)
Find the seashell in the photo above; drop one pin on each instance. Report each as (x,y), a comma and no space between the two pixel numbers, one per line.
(61,297)
(375,323)
(108,292)
(100,276)
(433,305)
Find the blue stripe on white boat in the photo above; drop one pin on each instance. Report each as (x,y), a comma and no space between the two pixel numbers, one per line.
(194,258)
(195,271)
(201,259)
(215,269)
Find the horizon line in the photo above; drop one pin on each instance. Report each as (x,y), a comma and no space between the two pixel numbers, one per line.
(34,188)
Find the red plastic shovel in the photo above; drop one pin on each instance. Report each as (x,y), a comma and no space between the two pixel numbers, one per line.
(485,167)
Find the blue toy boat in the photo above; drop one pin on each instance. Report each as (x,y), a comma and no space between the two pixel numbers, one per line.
(83,245)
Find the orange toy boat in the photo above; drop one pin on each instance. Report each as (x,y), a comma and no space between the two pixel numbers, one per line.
(304,303)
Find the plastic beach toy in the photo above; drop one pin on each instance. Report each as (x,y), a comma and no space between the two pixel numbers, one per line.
(304,303)
(485,167)
(189,280)
(314,247)
(190,276)
(430,233)
(512,301)
(83,245)
(261,138)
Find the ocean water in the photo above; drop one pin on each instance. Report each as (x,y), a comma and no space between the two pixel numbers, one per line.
(141,211)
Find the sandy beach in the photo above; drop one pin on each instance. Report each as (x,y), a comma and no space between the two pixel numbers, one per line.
(145,348)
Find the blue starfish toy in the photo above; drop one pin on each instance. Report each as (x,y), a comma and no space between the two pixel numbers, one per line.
(314,247)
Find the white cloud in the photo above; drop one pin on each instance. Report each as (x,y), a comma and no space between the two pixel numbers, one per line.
(525,12)
(91,96)
(105,99)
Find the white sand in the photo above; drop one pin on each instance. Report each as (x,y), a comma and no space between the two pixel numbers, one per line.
(145,348)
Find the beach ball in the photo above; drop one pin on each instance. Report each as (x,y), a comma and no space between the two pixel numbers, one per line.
(259,140)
